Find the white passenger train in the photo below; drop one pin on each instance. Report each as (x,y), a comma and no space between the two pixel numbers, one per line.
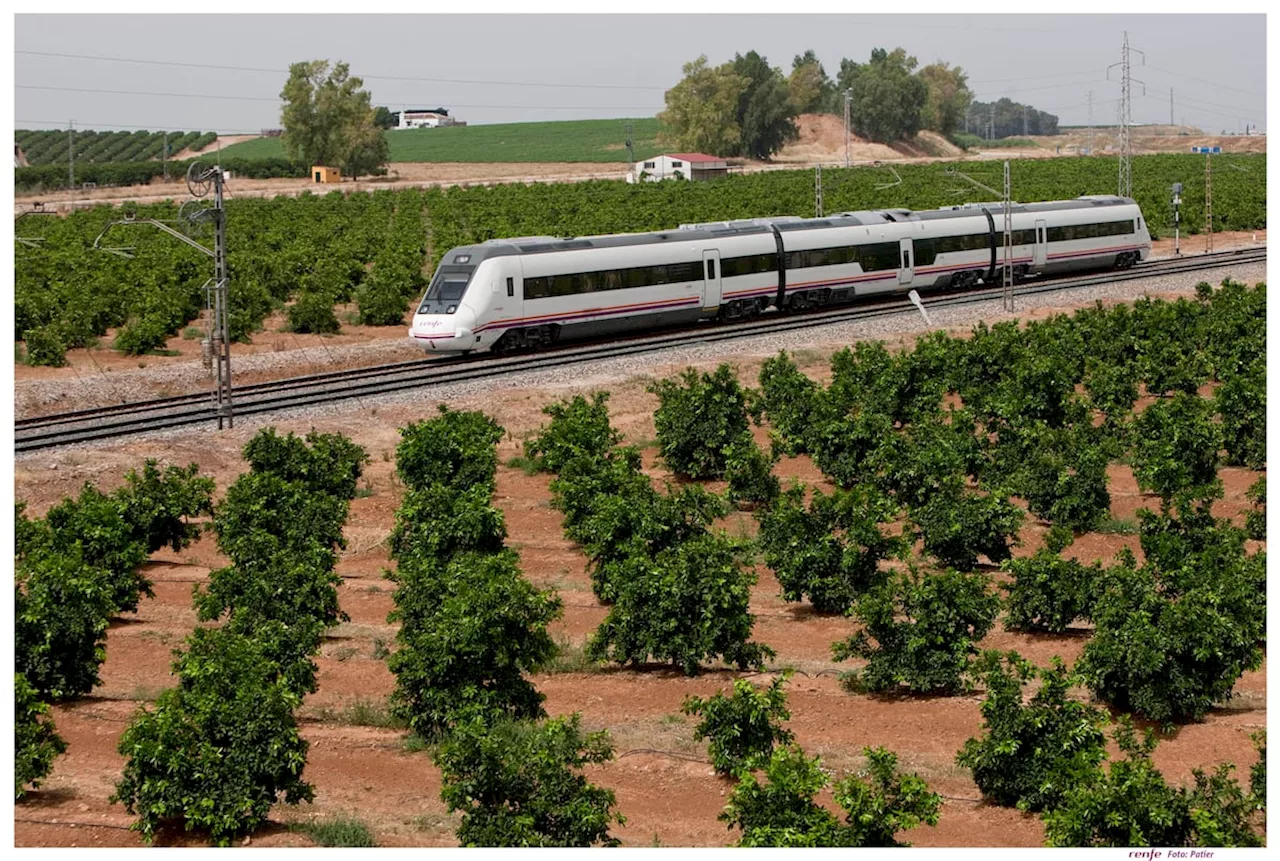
(509,294)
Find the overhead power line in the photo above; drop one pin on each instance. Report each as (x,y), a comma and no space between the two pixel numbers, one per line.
(1205,81)
(361,76)
(278,99)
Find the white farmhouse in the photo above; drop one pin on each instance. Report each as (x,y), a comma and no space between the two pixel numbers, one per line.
(423,118)
(681,165)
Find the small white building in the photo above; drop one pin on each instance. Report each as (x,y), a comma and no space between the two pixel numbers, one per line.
(423,118)
(681,165)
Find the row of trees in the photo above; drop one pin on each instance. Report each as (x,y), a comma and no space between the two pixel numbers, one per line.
(471,628)
(217,751)
(746,107)
(75,569)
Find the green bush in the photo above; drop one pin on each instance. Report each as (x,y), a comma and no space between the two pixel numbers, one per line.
(1048,593)
(312,313)
(612,510)
(831,552)
(936,453)
(957,525)
(698,419)
(91,528)
(456,448)
(925,630)
(36,743)
(436,523)
(687,603)
(1031,753)
(779,811)
(521,784)
(1255,521)
(142,335)
(158,504)
(262,510)
(218,750)
(381,304)
(1062,474)
(1241,401)
(788,398)
(750,473)
(61,606)
(1132,805)
(45,346)
(578,428)
(469,631)
(847,446)
(327,463)
(878,803)
(1176,446)
(1168,647)
(743,727)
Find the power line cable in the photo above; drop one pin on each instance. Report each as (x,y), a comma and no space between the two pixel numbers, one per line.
(362,77)
(1204,81)
(277,99)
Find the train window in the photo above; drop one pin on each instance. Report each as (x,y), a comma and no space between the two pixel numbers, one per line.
(711,270)
(610,279)
(511,286)
(733,267)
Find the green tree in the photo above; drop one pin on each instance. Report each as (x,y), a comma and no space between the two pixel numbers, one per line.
(383,118)
(328,119)
(743,727)
(578,427)
(878,803)
(520,783)
(1031,753)
(1176,445)
(698,419)
(685,604)
(888,100)
(1132,805)
(810,89)
(216,752)
(948,97)
(765,114)
(702,110)
(36,743)
(925,630)
(469,630)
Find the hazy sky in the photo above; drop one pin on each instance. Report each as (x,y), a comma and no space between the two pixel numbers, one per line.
(501,68)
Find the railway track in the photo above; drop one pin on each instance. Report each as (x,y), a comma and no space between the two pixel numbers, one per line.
(164,413)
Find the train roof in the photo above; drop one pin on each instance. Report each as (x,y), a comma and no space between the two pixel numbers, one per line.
(756,226)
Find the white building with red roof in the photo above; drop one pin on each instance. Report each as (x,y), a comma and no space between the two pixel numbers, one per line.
(682,165)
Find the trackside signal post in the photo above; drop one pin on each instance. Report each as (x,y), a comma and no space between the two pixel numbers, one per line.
(1177,217)
(195,219)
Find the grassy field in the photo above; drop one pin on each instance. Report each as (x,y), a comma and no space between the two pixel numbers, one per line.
(569,141)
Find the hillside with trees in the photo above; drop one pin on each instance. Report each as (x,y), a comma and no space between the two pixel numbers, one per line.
(748,108)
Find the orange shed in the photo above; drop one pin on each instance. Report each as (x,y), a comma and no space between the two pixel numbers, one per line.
(326,174)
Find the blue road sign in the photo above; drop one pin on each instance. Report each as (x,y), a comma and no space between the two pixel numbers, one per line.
(1207,150)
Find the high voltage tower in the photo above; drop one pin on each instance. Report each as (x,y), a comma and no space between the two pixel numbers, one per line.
(1126,115)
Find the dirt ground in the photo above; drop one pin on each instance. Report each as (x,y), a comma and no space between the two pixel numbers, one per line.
(292,354)
(664,784)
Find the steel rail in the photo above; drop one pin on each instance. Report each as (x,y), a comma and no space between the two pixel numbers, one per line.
(87,425)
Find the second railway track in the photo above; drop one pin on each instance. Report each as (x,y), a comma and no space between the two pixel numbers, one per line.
(164,413)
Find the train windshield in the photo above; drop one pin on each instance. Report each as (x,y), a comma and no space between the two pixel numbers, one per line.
(446,290)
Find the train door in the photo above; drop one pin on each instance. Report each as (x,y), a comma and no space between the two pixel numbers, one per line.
(711,280)
(1039,256)
(907,272)
(508,292)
